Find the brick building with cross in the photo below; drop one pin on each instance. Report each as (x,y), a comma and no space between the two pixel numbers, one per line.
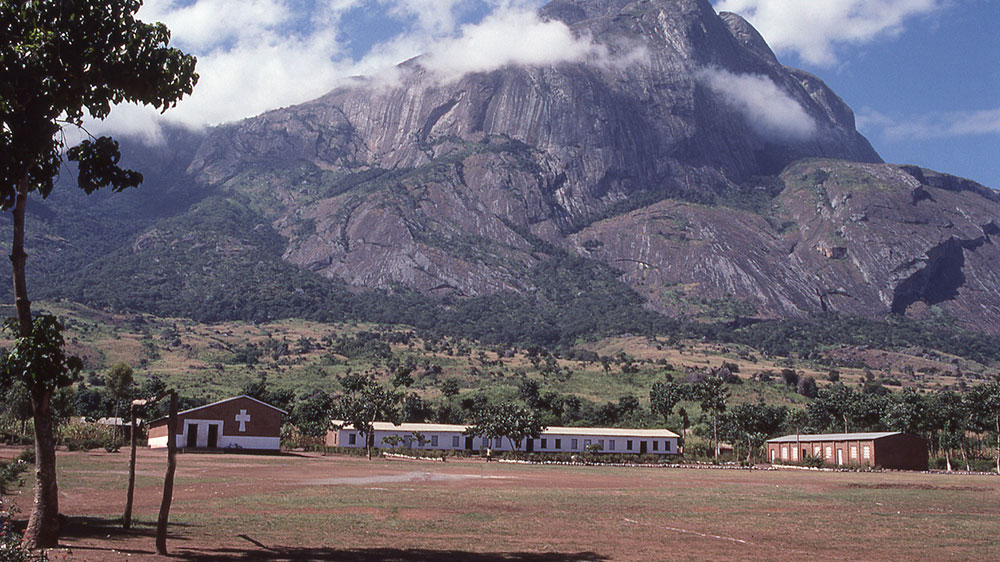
(235,423)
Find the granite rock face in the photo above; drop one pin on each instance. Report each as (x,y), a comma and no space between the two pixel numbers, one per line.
(448,186)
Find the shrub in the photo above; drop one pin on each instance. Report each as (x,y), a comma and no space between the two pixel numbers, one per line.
(11,548)
(86,436)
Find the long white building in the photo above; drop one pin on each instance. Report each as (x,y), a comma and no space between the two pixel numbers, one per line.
(445,437)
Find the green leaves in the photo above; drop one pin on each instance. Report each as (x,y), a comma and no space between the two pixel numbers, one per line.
(506,420)
(61,60)
(98,164)
(39,359)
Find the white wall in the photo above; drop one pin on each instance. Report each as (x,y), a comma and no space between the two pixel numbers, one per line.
(664,445)
(224,441)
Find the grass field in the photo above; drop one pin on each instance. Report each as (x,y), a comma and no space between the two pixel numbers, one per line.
(230,507)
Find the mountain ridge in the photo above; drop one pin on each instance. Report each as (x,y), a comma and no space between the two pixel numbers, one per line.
(653,168)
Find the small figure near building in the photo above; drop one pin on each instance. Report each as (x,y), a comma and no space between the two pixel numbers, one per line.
(235,423)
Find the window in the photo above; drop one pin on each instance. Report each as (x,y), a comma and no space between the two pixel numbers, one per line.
(784,453)
(558,444)
(867,452)
(545,443)
(575,445)
(586,443)
(454,441)
(656,445)
(352,438)
(628,445)
(434,440)
(499,442)
(611,445)
(854,451)
(795,453)
(815,450)
(829,452)
(666,446)
(601,443)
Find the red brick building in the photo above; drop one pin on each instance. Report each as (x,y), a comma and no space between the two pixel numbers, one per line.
(235,423)
(885,450)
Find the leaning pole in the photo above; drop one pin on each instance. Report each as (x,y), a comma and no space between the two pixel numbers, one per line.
(168,481)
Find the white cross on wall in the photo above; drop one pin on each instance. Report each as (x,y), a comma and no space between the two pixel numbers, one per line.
(243,417)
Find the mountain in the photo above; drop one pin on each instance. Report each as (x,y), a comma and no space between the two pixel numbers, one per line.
(678,167)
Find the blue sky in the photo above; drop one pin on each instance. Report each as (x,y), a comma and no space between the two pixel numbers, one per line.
(923,76)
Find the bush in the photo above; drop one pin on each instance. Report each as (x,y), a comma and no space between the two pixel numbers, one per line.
(27,456)
(86,436)
(11,549)
(813,461)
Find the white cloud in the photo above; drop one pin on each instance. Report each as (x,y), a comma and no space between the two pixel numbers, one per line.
(509,37)
(770,111)
(938,125)
(813,29)
(435,17)
(257,55)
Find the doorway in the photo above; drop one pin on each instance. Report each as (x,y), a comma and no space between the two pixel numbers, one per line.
(192,435)
(213,436)
(642,447)
(840,456)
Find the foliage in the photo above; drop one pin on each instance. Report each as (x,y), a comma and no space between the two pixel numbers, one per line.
(312,414)
(506,420)
(38,359)
(750,425)
(664,396)
(86,436)
(365,402)
(12,548)
(61,61)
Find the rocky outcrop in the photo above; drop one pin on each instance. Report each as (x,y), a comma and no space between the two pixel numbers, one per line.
(844,237)
(641,158)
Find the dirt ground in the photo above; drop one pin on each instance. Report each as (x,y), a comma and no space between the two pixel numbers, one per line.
(314,507)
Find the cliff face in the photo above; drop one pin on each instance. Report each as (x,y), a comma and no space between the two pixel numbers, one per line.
(648,157)
(856,238)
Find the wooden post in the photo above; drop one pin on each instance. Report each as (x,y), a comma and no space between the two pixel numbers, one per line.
(130,493)
(168,481)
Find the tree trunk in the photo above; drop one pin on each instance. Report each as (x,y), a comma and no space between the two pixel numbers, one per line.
(715,435)
(168,480)
(43,524)
(947,458)
(130,492)
(965,456)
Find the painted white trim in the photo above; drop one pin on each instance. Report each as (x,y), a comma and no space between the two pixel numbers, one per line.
(158,442)
(666,445)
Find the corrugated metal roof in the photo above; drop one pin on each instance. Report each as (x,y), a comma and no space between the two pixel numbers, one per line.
(157,420)
(594,431)
(811,438)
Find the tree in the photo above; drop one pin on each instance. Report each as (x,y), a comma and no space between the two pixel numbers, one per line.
(365,403)
(119,383)
(947,419)
(833,405)
(38,361)
(712,394)
(506,420)
(312,414)
(59,61)
(983,403)
(906,412)
(663,397)
(752,425)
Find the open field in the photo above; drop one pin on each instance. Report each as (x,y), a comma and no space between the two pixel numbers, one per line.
(229,507)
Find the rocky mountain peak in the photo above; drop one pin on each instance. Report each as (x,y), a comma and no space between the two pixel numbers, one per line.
(678,150)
